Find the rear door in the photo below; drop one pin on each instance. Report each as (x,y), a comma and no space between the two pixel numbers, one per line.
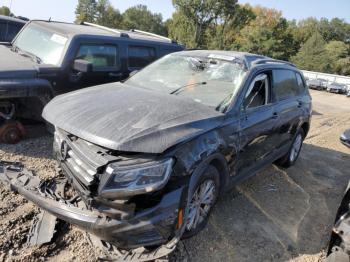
(288,94)
(140,56)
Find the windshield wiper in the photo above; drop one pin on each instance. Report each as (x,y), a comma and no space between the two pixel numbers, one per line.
(37,59)
(178,90)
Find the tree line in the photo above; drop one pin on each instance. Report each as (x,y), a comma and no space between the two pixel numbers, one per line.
(312,44)
(317,45)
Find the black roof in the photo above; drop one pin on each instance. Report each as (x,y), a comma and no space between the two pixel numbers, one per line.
(70,29)
(251,60)
(12,19)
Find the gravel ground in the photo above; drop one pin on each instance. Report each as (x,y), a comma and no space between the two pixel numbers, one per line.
(278,215)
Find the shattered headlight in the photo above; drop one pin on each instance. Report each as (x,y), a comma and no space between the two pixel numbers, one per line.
(126,181)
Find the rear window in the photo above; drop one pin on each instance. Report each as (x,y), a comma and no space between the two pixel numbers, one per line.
(140,56)
(286,84)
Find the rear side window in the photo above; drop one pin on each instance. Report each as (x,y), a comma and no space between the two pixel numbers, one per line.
(300,83)
(140,56)
(286,84)
(101,56)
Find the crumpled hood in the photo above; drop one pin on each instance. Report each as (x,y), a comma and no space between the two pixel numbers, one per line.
(13,65)
(127,118)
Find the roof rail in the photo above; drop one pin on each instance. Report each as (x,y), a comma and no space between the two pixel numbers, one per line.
(267,60)
(152,34)
(106,29)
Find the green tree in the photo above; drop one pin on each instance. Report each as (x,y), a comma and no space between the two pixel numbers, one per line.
(333,30)
(338,56)
(313,55)
(181,29)
(107,15)
(267,35)
(342,66)
(86,11)
(139,17)
(233,17)
(337,49)
(196,15)
(4,10)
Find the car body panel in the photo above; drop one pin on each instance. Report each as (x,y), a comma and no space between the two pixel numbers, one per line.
(132,119)
(104,129)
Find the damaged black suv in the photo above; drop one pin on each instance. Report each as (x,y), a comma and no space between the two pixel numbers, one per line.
(149,157)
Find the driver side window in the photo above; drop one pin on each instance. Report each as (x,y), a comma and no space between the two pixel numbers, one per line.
(101,56)
(258,92)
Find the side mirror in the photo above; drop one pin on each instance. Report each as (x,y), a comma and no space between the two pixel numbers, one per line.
(82,66)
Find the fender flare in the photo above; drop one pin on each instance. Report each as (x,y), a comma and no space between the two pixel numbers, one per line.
(22,88)
(216,158)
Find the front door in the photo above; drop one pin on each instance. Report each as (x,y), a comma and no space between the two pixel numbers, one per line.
(105,62)
(257,134)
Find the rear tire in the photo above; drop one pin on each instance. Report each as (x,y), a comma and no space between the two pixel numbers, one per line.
(203,196)
(292,156)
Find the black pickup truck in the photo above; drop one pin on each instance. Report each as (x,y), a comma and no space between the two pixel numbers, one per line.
(50,58)
(9,27)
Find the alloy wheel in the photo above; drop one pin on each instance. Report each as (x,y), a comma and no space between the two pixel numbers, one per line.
(296,148)
(201,203)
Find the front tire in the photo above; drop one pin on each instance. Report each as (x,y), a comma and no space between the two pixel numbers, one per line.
(202,198)
(291,157)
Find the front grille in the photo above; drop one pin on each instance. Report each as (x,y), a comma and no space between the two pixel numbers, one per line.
(83,160)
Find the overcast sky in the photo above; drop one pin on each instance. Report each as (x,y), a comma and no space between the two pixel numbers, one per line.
(63,10)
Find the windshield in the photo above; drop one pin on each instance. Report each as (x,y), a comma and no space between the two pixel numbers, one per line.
(211,80)
(46,46)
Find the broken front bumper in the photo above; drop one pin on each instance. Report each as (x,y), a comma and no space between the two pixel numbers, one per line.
(152,226)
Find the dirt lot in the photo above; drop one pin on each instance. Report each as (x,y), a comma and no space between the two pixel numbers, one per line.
(279,215)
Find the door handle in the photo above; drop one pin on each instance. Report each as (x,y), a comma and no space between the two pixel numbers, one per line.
(300,104)
(274,115)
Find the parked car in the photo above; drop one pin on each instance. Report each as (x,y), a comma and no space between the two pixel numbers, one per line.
(339,244)
(151,156)
(336,88)
(348,91)
(345,138)
(318,84)
(9,27)
(50,58)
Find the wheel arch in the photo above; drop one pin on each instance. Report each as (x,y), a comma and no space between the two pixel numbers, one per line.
(216,160)
(305,127)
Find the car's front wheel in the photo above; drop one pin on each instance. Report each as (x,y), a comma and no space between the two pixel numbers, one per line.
(291,157)
(202,197)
